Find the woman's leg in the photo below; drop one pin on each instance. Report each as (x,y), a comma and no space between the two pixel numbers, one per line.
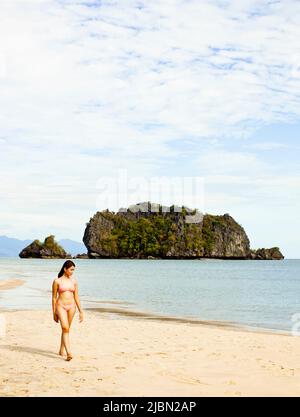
(71,314)
(64,322)
(62,346)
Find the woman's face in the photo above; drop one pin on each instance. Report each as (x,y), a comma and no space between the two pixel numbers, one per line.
(69,271)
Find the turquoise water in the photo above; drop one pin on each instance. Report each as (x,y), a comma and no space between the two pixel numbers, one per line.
(252,293)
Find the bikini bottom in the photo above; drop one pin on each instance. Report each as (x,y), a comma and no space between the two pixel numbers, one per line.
(67,307)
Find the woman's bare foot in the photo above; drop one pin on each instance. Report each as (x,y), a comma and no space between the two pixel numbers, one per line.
(69,356)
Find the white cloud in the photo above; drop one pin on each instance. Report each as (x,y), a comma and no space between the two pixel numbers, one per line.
(225,162)
(266,146)
(197,72)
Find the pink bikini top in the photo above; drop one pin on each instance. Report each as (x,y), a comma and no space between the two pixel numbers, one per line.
(62,288)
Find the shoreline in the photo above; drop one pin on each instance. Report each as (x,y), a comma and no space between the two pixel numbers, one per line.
(9,284)
(113,356)
(138,314)
(122,314)
(148,315)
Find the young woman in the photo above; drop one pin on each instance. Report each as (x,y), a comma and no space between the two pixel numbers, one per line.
(64,306)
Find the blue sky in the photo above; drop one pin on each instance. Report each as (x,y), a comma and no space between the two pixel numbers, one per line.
(205,88)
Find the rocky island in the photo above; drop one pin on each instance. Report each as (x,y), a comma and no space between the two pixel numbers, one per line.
(152,231)
(149,230)
(49,249)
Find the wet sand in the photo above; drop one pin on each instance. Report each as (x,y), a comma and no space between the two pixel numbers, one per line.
(9,284)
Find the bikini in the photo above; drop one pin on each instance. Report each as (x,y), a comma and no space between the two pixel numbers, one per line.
(63,288)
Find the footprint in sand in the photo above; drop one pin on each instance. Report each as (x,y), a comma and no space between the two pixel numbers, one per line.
(233,393)
(277,368)
(183,378)
(24,391)
(231,383)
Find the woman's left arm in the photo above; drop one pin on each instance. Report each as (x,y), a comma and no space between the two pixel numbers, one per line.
(77,301)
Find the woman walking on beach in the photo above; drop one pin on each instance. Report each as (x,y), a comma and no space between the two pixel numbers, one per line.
(64,306)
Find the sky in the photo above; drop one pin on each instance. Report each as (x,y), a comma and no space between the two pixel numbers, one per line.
(99,100)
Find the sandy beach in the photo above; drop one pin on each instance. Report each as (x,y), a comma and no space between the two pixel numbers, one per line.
(9,284)
(121,356)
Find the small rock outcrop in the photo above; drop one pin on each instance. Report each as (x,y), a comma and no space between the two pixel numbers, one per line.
(81,256)
(150,231)
(266,254)
(49,249)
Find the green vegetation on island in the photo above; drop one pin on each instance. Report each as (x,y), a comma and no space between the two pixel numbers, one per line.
(141,232)
(48,249)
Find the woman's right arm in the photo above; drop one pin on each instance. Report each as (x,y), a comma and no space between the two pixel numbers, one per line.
(54,294)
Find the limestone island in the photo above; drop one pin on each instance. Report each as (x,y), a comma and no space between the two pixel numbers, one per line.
(152,231)
(49,249)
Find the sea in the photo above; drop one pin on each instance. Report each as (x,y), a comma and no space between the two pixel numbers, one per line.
(249,293)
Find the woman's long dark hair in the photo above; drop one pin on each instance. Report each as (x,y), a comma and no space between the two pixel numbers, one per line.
(66,265)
